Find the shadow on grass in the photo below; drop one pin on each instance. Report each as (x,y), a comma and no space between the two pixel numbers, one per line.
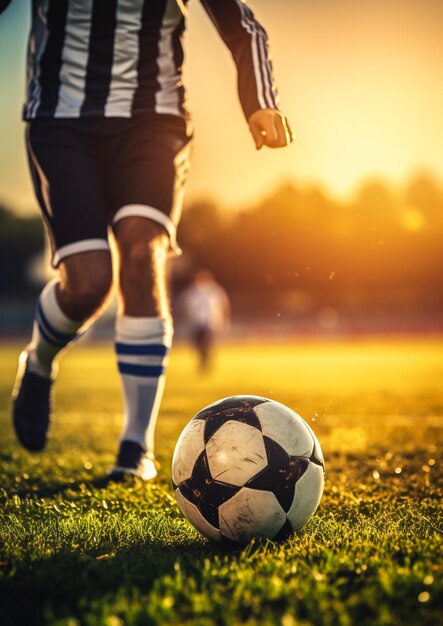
(67,583)
(41,487)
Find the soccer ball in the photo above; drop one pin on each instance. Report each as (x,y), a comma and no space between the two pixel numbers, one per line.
(247,467)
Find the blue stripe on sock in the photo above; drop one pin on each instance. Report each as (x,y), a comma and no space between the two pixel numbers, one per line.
(63,337)
(142,371)
(141,349)
(47,338)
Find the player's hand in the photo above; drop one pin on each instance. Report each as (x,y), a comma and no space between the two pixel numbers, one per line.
(269,127)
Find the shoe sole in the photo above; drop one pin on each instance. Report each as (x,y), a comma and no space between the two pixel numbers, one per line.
(118,474)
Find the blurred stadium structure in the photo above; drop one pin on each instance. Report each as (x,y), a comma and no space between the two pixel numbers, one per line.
(298,262)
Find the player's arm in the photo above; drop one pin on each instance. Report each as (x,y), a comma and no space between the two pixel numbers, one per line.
(248,43)
(4,5)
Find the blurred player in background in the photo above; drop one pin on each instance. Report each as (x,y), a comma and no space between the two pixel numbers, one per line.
(108,138)
(206,309)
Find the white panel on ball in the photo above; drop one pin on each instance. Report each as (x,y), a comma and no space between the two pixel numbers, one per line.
(308,493)
(285,427)
(236,453)
(193,515)
(189,446)
(251,513)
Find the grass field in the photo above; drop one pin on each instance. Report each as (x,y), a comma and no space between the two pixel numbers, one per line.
(73,553)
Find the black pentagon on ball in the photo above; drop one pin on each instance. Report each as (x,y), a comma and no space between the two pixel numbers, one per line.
(284,533)
(317,456)
(280,475)
(205,492)
(230,403)
(236,408)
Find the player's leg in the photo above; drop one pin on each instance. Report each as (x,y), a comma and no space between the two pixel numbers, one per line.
(65,309)
(153,165)
(67,188)
(199,340)
(67,306)
(206,346)
(143,338)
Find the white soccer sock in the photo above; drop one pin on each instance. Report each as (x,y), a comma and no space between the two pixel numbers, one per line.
(52,332)
(142,345)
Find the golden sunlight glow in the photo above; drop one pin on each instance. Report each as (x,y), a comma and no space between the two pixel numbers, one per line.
(413,220)
(359,81)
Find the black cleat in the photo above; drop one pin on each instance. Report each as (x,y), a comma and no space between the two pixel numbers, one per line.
(31,407)
(133,460)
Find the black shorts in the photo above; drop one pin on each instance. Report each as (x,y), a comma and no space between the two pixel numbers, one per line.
(90,173)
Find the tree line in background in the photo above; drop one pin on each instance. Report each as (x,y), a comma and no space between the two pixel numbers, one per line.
(384,248)
(21,240)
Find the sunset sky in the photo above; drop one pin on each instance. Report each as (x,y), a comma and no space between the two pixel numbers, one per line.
(361,83)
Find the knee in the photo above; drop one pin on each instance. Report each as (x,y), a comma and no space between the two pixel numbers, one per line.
(92,290)
(142,284)
(89,289)
(140,258)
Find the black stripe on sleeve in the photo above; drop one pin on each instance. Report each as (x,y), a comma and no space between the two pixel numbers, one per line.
(51,61)
(147,67)
(101,54)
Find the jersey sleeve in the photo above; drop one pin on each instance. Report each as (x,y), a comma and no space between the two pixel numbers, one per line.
(248,43)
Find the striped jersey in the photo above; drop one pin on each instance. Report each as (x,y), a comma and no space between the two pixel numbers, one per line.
(116,58)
